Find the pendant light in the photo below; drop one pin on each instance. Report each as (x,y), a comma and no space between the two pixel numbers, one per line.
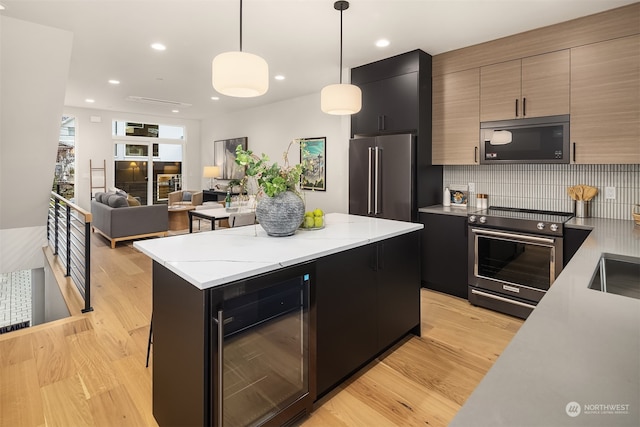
(240,74)
(341,99)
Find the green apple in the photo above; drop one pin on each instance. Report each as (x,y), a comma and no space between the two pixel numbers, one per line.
(317,221)
(308,213)
(308,222)
(318,212)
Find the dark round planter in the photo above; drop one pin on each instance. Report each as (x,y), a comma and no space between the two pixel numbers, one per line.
(280,215)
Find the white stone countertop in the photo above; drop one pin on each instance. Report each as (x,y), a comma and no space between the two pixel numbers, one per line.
(213,258)
(579,345)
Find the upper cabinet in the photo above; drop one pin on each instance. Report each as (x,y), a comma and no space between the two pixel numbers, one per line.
(388,105)
(396,95)
(456,118)
(605,107)
(530,87)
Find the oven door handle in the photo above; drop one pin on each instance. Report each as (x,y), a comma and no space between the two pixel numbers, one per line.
(519,237)
(499,298)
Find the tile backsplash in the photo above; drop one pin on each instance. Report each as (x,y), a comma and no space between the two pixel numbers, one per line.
(538,186)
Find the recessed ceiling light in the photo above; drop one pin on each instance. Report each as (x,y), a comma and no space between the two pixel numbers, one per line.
(2,7)
(89,100)
(114,82)
(158,46)
(215,98)
(175,111)
(279,77)
(382,43)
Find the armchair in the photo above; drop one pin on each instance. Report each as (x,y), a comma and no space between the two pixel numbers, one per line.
(185,198)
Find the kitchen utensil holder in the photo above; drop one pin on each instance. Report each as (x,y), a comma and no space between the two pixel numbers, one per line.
(583,208)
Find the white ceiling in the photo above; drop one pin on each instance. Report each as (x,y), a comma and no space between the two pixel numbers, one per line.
(298,38)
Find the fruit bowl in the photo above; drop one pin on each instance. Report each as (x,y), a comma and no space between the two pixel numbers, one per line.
(313,221)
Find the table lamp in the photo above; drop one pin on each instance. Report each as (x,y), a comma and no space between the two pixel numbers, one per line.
(211,172)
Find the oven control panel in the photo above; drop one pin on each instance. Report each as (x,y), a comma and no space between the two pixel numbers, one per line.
(513,224)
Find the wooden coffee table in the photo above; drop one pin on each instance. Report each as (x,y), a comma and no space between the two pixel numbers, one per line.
(179,217)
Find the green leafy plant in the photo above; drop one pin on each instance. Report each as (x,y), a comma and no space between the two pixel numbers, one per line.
(272,178)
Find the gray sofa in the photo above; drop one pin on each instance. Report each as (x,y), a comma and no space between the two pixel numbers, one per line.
(128,222)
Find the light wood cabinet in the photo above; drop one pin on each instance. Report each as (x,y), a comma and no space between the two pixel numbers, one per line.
(456,118)
(605,107)
(530,87)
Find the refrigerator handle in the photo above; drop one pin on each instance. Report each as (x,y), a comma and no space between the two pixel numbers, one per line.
(376,181)
(369,210)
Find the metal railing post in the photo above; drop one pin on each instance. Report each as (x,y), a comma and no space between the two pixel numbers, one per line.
(87,268)
(68,248)
(57,219)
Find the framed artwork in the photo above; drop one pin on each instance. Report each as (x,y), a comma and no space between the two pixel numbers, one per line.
(313,152)
(225,157)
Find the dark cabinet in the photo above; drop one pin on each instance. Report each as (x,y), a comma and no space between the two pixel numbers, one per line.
(396,95)
(364,300)
(388,105)
(573,239)
(444,253)
(396,99)
(398,288)
(345,294)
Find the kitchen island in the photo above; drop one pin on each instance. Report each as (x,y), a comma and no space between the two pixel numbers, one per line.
(576,359)
(362,276)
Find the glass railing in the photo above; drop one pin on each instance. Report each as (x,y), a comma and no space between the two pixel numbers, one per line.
(68,234)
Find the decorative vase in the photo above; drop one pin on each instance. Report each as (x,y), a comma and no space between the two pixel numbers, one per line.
(280,215)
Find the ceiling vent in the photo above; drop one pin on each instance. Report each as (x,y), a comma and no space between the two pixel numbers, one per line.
(164,102)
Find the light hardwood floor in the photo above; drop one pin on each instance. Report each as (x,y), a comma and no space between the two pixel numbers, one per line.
(89,369)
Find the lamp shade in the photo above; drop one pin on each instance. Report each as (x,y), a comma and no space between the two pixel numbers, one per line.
(240,74)
(341,99)
(211,171)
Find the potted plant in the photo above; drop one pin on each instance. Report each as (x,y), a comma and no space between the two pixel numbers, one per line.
(280,208)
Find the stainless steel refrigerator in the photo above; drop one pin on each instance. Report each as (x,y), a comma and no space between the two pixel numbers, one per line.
(382,177)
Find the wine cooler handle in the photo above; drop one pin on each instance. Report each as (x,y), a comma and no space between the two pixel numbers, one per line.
(220,321)
(376,192)
(369,210)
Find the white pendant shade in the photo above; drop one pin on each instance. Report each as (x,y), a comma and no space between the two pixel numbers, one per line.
(341,99)
(240,74)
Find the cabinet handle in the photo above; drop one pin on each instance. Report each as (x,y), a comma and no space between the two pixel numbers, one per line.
(574,152)
(524,107)
(369,210)
(220,322)
(516,107)
(475,154)
(382,122)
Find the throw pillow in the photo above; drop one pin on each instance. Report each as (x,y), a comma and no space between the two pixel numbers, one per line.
(117,201)
(132,201)
(186,196)
(98,196)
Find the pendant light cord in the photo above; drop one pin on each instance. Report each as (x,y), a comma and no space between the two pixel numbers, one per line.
(340,45)
(241,25)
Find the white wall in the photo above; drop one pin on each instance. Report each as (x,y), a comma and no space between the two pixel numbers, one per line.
(270,129)
(94,141)
(34,65)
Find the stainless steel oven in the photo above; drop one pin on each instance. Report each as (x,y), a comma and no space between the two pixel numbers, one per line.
(514,257)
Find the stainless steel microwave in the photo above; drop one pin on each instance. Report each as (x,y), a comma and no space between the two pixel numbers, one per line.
(534,140)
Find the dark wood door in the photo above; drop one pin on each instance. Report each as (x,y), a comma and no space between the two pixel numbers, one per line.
(444,253)
(398,288)
(388,105)
(346,314)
